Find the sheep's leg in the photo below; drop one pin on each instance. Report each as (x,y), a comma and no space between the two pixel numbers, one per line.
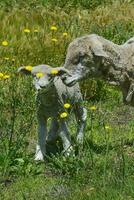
(53,132)
(42,133)
(65,136)
(81,116)
(130,93)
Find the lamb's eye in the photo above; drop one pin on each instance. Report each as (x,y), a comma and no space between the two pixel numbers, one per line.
(75,61)
(78,60)
(81,58)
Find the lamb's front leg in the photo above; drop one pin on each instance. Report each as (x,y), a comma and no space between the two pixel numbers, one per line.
(53,132)
(65,136)
(42,133)
(81,116)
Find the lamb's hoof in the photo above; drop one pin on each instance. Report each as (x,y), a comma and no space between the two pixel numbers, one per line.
(79,140)
(69,152)
(39,157)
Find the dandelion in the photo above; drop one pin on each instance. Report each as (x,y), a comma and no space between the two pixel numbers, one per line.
(6,58)
(65,34)
(54,71)
(39,75)
(28,68)
(93,108)
(63,115)
(26,30)
(53,28)
(1,75)
(36,30)
(13,59)
(6,76)
(54,40)
(67,105)
(5,43)
(108,128)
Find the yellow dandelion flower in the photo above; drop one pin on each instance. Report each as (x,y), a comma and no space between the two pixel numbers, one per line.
(26,30)
(5,43)
(67,105)
(39,75)
(54,71)
(108,128)
(1,75)
(65,34)
(63,115)
(6,58)
(36,30)
(6,76)
(54,40)
(28,68)
(53,28)
(93,108)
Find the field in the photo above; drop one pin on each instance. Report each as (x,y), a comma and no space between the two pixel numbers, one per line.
(39,31)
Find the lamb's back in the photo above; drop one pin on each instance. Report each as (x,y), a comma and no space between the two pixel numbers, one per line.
(71,94)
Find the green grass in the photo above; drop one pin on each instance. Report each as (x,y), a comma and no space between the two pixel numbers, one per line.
(104,168)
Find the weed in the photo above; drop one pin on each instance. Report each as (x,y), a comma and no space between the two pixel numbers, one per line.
(103,169)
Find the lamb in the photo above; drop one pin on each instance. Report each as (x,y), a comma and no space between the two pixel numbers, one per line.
(93,56)
(52,97)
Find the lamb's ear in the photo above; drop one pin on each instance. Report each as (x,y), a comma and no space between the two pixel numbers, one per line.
(25,70)
(99,52)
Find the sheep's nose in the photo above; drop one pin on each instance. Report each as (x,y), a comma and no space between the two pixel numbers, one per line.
(64,78)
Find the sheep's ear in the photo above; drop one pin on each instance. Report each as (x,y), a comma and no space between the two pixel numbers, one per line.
(25,70)
(99,52)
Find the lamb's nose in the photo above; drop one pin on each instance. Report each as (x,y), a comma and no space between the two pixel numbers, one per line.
(39,88)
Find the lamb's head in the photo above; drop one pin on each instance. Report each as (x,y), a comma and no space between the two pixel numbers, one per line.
(43,75)
(86,56)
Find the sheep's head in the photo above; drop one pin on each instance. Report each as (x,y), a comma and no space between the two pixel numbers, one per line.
(86,57)
(43,75)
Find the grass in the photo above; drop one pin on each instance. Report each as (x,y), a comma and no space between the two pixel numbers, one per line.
(104,168)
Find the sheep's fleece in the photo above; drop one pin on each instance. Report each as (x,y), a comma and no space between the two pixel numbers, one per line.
(93,56)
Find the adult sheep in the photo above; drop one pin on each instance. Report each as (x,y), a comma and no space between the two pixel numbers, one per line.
(93,56)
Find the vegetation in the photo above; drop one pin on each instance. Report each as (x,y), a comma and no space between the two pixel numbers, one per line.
(104,168)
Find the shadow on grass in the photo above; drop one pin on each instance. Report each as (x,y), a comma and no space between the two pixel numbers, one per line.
(102,148)
(54,148)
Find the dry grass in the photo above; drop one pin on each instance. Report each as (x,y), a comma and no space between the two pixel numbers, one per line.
(106,162)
